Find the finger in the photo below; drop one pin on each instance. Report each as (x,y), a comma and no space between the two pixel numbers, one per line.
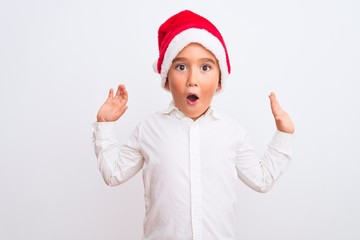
(122,110)
(124,93)
(121,94)
(121,91)
(118,91)
(274,103)
(111,93)
(272,97)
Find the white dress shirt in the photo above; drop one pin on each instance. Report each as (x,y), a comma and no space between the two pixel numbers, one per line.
(190,170)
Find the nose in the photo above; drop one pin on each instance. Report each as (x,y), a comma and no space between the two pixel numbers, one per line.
(193,80)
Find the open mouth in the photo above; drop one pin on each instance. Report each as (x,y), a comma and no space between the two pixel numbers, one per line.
(192,98)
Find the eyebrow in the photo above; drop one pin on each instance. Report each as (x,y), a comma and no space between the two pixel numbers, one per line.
(181,59)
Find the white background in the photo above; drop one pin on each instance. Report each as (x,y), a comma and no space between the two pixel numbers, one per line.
(59,58)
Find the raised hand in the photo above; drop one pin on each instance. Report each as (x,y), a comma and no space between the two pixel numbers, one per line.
(282,119)
(114,106)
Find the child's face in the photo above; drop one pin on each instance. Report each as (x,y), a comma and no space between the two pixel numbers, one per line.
(193,79)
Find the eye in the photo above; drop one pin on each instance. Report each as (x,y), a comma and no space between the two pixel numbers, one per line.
(181,67)
(206,68)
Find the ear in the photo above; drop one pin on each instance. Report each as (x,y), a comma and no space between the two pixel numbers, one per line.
(219,86)
(166,85)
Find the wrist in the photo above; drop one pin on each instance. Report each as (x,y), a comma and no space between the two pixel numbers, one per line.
(99,118)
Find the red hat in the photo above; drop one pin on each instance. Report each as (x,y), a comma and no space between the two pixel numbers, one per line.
(182,29)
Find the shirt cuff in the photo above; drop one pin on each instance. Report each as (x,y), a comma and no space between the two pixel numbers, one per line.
(282,142)
(103,130)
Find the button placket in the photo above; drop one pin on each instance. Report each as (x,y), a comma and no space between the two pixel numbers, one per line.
(195,178)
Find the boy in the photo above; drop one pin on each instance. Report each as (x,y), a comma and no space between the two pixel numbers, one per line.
(191,156)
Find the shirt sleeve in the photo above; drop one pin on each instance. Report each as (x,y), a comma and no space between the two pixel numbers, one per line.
(117,163)
(261,173)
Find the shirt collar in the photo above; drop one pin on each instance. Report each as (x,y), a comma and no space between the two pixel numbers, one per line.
(174,111)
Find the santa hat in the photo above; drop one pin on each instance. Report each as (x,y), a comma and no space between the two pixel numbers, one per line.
(182,29)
